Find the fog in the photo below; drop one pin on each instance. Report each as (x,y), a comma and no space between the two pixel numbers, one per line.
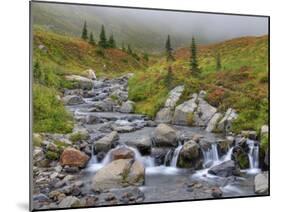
(149,28)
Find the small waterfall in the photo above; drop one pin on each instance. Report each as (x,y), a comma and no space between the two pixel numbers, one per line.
(175,156)
(94,158)
(253,154)
(211,154)
(228,154)
(167,157)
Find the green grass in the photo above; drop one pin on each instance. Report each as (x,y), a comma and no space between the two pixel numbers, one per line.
(49,114)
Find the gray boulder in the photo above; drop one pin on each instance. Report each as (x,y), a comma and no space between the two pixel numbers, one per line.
(164,115)
(204,112)
(213,122)
(165,135)
(184,111)
(261,183)
(225,123)
(143,145)
(174,96)
(119,173)
(106,143)
(189,156)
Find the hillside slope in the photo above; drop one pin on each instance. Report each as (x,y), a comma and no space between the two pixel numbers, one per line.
(242,83)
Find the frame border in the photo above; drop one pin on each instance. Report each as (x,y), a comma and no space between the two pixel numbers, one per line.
(139,8)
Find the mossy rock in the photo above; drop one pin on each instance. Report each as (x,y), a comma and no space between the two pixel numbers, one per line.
(37,139)
(183,163)
(52,155)
(243,161)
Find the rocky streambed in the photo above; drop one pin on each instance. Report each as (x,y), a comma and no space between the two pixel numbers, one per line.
(115,156)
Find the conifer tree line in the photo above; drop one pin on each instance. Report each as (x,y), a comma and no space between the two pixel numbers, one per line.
(103,42)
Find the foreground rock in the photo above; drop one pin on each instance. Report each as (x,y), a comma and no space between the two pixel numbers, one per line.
(261,183)
(224,169)
(81,82)
(107,142)
(74,158)
(165,135)
(119,173)
(122,153)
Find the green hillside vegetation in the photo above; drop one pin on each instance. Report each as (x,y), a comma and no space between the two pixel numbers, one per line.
(242,82)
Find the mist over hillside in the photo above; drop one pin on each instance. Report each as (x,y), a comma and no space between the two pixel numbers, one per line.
(146,29)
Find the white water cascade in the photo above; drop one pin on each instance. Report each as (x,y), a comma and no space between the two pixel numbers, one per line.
(211,155)
(253,156)
(176,156)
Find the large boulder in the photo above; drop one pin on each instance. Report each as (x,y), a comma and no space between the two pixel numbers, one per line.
(224,169)
(190,156)
(72,100)
(127,107)
(211,126)
(261,183)
(81,82)
(73,157)
(164,115)
(122,153)
(183,114)
(203,113)
(91,74)
(106,143)
(119,173)
(165,135)
(225,123)
(142,144)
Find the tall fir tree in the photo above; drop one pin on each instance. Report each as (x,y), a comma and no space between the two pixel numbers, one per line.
(91,39)
(103,40)
(84,32)
(169,78)
(193,58)
(111,42)
(218,62)
(169,50)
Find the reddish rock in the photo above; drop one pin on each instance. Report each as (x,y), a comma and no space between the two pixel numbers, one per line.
(73,157)
(122,153)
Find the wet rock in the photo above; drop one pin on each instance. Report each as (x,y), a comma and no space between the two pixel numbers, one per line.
(124,129)
(261,183)
(216,192)
(164,135)
(91,200)
(127,107)
(189,156)
(213,122)
(69,202)
(240,157)
(73,157)
(118,174)
(81,82)
(122,153)
(72,100)
(223,146)
(225,169)
(106,143)
(142,144)
(110,197)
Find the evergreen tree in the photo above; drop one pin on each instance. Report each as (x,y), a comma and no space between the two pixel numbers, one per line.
(103,41)
(169,50)
(129,50)
(193,58)
(111,42)
(91,39)
(218,62)
(84,32)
